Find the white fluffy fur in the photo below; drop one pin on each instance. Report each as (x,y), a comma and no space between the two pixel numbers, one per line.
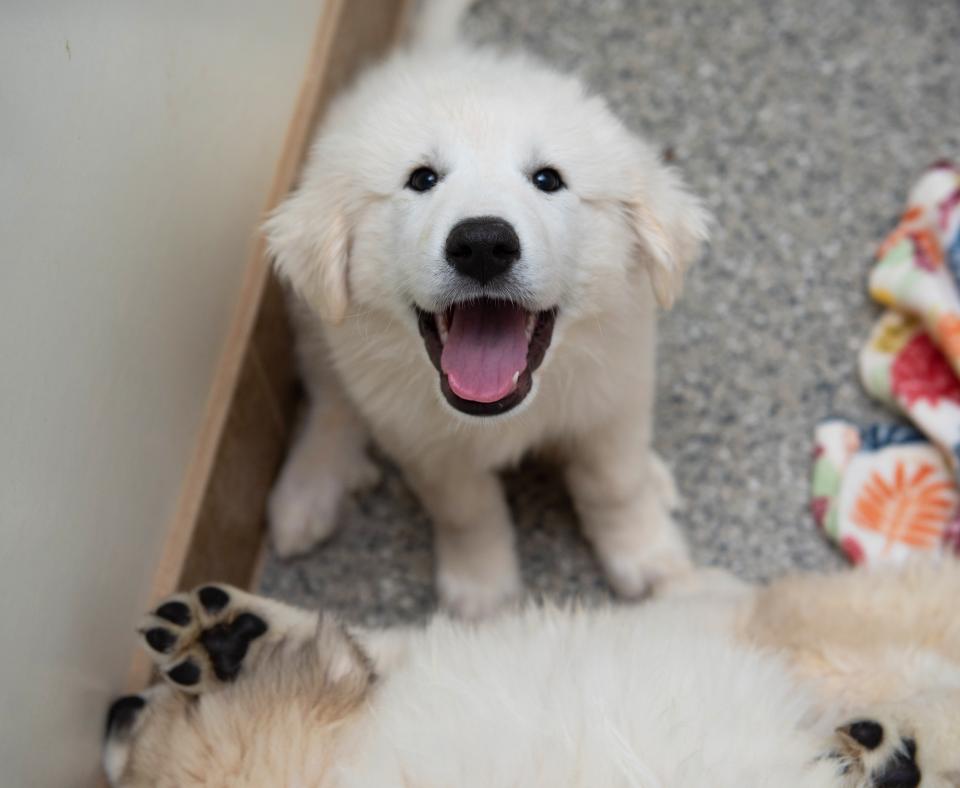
(360,250)
(713,684)
(593,699)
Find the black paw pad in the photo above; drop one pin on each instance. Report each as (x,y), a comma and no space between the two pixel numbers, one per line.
(123,713)
(213,599)
(867,733)
(227,644)
(160,639)
(185,674)
(902,771)
(174,612)
(910,745)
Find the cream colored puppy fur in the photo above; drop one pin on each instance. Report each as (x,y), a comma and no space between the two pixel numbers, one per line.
(364,251)
(712,684)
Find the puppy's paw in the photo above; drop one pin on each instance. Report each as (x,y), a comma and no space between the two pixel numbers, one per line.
(878,754)
(639,557)
(303,512)
(637,575)
(304,506)
(636,540)
(201,639)
(123,718)
(474,595)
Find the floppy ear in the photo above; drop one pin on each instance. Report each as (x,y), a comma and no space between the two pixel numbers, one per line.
(670,226)
(308,238)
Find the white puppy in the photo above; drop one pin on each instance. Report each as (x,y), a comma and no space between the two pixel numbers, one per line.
(843,681)
(478,244)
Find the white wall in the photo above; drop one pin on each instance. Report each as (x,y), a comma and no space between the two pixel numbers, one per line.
(137,142)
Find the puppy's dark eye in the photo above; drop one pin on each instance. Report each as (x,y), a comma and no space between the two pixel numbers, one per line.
(547,180)
(422,179)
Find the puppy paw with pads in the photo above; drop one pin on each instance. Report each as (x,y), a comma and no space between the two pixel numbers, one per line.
(878,754)
(200,639)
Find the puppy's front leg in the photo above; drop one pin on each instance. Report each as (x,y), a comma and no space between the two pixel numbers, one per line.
(327,461)
(623,493)
(476,566)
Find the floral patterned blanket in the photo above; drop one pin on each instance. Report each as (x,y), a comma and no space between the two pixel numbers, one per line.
(888,492)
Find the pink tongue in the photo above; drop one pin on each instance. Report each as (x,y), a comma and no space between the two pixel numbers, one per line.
(485,350)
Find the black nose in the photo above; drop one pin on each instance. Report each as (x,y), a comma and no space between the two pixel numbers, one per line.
(482,248)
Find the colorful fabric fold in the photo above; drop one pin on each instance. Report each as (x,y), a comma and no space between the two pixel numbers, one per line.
(883,493)
(918,267)
(889,492)
(902,367)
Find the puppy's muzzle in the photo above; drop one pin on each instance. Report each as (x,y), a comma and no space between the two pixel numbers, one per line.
(482,248)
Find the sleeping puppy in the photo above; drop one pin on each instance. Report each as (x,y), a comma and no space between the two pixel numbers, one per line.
(477,246)
(847,681)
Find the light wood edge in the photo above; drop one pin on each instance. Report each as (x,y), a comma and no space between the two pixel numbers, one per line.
(296,142)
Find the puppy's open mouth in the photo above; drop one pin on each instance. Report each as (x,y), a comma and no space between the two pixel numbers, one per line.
(486,352)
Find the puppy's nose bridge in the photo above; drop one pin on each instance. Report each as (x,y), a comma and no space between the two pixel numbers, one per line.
(482,247)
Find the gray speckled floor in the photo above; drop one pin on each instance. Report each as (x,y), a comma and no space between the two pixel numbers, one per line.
(802,123)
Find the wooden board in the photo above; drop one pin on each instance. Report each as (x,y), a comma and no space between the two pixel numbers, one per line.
(218,526)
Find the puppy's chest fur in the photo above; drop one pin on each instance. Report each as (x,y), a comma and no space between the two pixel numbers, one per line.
(597,370)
